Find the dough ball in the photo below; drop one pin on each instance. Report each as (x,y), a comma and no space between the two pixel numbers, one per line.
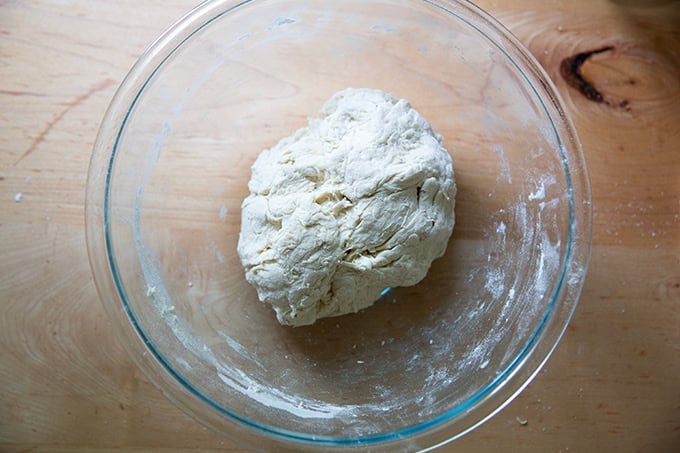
(358,201)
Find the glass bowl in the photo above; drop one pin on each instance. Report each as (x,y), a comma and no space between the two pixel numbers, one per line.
(425,364)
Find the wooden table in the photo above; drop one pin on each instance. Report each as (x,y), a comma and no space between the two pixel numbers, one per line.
(613,383)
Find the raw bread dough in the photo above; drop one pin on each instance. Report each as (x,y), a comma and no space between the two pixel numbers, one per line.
(358,201)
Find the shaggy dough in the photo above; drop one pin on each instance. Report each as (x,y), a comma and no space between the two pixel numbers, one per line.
(358,201)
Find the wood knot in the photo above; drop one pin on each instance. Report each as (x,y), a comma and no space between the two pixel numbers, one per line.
(570,70)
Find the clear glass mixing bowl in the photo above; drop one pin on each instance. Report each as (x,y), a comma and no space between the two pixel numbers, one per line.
(425,364)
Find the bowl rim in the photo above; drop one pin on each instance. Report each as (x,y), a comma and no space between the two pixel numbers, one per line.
(430,433)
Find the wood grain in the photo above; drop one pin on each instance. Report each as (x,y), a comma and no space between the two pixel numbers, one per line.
(611,385)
